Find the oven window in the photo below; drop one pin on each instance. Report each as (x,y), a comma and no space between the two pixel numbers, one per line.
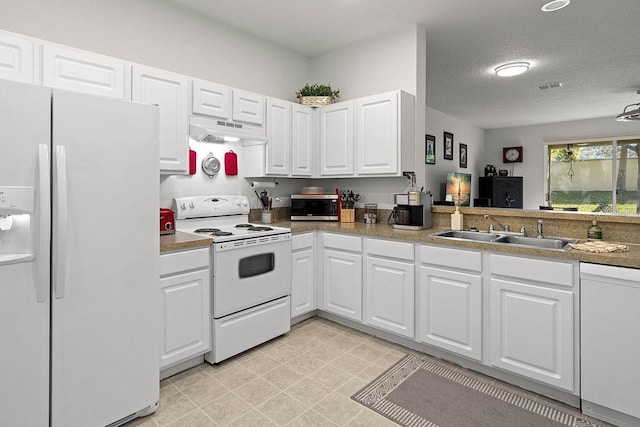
(256,265)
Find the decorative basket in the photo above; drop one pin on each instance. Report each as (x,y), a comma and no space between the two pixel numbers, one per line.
(316,101)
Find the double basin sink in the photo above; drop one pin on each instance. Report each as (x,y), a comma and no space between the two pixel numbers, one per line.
(557,243)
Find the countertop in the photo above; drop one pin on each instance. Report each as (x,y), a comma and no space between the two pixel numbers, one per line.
(622,259)
(182,241)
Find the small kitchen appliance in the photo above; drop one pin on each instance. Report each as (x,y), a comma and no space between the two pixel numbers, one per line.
(250,272)
(314,207)
(167,222)
(412,211)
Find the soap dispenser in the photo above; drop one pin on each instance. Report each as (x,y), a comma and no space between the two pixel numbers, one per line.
(456,220)
(594,232)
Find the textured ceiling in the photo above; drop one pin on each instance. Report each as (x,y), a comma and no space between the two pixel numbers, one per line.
(589,46)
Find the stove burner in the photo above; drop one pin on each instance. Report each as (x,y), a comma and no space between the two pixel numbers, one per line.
(206,230)
(257,228)
(244,225)
(221,233)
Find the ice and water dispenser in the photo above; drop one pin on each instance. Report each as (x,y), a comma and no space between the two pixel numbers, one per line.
(17,225)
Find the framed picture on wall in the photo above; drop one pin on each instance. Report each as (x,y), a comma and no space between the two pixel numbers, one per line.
(430,150)
(447,145)
(463,155)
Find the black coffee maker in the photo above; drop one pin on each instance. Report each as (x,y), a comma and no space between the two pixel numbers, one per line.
(412,211)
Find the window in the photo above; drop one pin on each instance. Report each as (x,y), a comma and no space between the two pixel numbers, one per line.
(588,177)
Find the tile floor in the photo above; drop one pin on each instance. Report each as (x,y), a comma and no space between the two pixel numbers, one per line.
(304,378)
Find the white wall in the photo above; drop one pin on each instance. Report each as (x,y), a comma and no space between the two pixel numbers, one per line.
(532,139)
(163,35)
(463,132)
(394,60)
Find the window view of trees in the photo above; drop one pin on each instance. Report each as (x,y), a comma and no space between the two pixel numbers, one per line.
(588,176)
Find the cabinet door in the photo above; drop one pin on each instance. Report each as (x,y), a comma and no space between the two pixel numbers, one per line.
(248,107)
(303,295)
(80,71)
(279,135)
(16,58)
(450,311)
(302,140)
(185,320)
(336,139)
(532,332)
(211,99)
(389,293)
(342,283)
(169,91)
(377,143)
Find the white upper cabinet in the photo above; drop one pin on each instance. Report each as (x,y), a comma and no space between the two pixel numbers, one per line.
(81,71)
(279,137)
(169,91)
(385,134)
(211,99)
(248,107)
(17,58)
(336,139)
(303,140)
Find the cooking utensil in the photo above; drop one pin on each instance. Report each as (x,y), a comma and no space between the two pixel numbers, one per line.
(210,165)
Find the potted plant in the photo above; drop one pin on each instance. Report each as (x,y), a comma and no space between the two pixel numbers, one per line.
(317,95)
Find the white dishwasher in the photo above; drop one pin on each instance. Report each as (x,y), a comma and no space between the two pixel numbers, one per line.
(610,339)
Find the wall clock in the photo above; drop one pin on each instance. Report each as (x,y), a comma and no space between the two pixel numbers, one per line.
(512,155)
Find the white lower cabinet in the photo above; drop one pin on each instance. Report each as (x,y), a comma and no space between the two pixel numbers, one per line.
(389,286)
(532,318)
(342,275)
(303,273)
(185,327)
(449,300)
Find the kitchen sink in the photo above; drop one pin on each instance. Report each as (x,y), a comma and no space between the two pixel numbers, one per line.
(557,243)
(478,236)
(543,242)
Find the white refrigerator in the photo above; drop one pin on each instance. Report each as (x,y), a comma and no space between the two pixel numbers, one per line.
(79,252)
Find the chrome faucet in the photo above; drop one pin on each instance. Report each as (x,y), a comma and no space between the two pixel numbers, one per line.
(539,230)
(504,227)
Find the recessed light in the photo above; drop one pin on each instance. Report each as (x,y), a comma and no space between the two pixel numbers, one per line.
(554,5)
(512,69)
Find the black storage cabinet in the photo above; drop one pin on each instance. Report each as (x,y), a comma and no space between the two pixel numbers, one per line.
(502,191)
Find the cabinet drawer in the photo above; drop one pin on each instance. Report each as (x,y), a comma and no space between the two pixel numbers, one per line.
(552,272)
(176,262)
(453,258)
(390,249)
(342,242)
(302,241)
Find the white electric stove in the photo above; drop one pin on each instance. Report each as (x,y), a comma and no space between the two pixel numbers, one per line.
(251,272)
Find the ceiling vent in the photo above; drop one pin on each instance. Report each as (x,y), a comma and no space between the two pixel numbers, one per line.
(553,85)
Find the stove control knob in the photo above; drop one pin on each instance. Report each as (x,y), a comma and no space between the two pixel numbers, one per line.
(238,202)
(192,205)
(245,203)
(183,205)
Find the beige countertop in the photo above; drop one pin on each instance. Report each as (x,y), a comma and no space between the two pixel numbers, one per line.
(623,259)
(182,241)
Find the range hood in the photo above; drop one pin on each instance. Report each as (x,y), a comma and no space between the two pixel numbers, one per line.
(211,129)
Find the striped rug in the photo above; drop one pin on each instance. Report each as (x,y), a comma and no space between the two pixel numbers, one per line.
(420,392)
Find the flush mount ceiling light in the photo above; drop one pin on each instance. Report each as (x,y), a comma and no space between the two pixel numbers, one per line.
(628,115)
(512,69)
(554,5)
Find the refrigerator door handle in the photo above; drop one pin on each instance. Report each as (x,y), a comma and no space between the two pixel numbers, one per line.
(42,247)
(61,224)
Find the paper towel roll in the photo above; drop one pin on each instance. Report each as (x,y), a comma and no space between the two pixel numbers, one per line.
(263,184)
